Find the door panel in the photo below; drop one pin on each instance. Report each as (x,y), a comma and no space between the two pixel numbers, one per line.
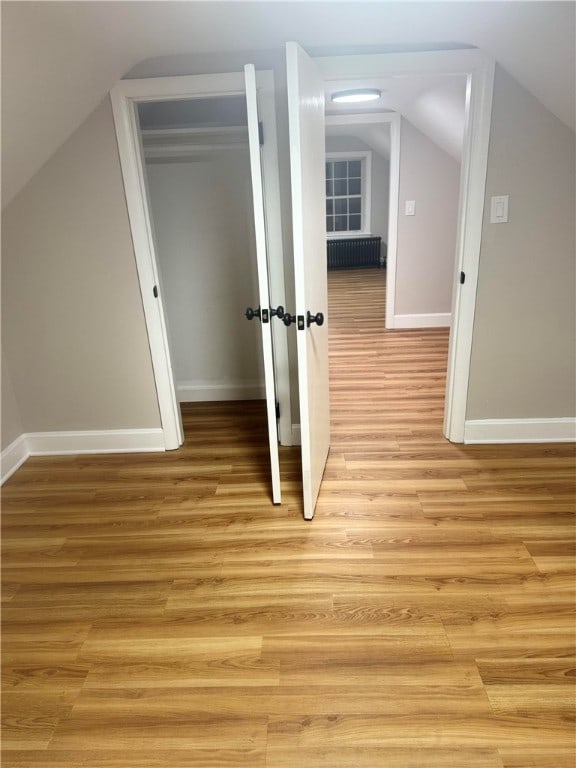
(263,280)
(307,157)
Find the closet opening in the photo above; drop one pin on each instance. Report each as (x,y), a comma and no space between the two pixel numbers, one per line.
(197,172)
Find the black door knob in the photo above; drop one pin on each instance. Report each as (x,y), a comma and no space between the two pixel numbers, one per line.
(288,319)
(252,313)
(318,318)
(278,312)
(261,313)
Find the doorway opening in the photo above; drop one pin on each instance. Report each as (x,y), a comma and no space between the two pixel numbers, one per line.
(410,198)
(306,81)
(198,177)
(192,159)
(197,168)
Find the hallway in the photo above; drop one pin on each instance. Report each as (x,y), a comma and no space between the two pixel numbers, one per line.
(386,398)
(384,384)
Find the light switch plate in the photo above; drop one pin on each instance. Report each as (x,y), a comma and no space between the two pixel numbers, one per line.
(499,209)
(410,207)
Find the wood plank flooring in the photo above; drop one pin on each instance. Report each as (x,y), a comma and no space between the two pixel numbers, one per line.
(159,612)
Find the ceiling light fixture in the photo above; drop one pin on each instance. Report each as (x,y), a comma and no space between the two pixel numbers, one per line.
(356,95)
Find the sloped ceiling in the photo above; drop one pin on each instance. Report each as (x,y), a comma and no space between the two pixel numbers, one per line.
(434,104)
(59,59)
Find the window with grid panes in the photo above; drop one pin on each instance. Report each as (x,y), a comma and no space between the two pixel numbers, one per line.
(344,195)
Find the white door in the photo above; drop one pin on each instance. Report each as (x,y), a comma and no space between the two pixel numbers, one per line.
(264,316)
(307,168)
(126,95)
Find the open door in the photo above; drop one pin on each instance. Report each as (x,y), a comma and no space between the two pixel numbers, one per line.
(126,96)
(307,169)
(264,314)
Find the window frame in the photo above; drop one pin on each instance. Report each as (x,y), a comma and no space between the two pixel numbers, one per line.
(365,156)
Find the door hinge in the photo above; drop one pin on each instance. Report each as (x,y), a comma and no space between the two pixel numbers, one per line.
(462,278)
(277,410)
(155,291)
(261,133)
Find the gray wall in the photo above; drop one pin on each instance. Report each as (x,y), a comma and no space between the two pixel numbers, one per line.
(73,330)
(74,334)
(203,220)
(11,424)
(427,240)
(380,192)
(523,355)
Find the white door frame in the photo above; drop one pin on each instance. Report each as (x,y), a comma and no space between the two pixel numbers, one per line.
(125,97)
(394,121)
(479,71)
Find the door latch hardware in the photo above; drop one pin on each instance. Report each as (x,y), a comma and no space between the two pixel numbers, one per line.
(261,313)
(278,312)
(252,313)
(318,318)
(462,278)
(288,319)
(301,325)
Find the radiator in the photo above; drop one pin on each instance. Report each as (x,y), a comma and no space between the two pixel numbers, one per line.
(351,252)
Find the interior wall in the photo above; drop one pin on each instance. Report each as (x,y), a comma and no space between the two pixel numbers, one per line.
(380,188)
(74,336)
(74,331)
(427,240)
(203,220)
(524,352)
(11,425)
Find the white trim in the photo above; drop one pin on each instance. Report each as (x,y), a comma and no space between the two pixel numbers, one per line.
(365,155)
(273,212)
(125,95)
(132,166)
(394,121)
(172,134)
(202,391)
(193,152)
(12,457)
(349,235)
(479,70)
(520,431)
(434,320)
(470,215)
(64,443)
(261,246)
(393,215)
(95,441)
(296,434)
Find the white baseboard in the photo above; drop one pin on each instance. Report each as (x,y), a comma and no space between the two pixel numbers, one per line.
(296,435)
(64,443)
(12,457)
(435,320)
(201,391)
(520,431)
(95,441)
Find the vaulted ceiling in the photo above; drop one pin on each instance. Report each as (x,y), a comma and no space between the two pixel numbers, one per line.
(59,59)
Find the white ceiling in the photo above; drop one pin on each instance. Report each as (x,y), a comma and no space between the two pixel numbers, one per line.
(434,104)
(376,136)
(59,59)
